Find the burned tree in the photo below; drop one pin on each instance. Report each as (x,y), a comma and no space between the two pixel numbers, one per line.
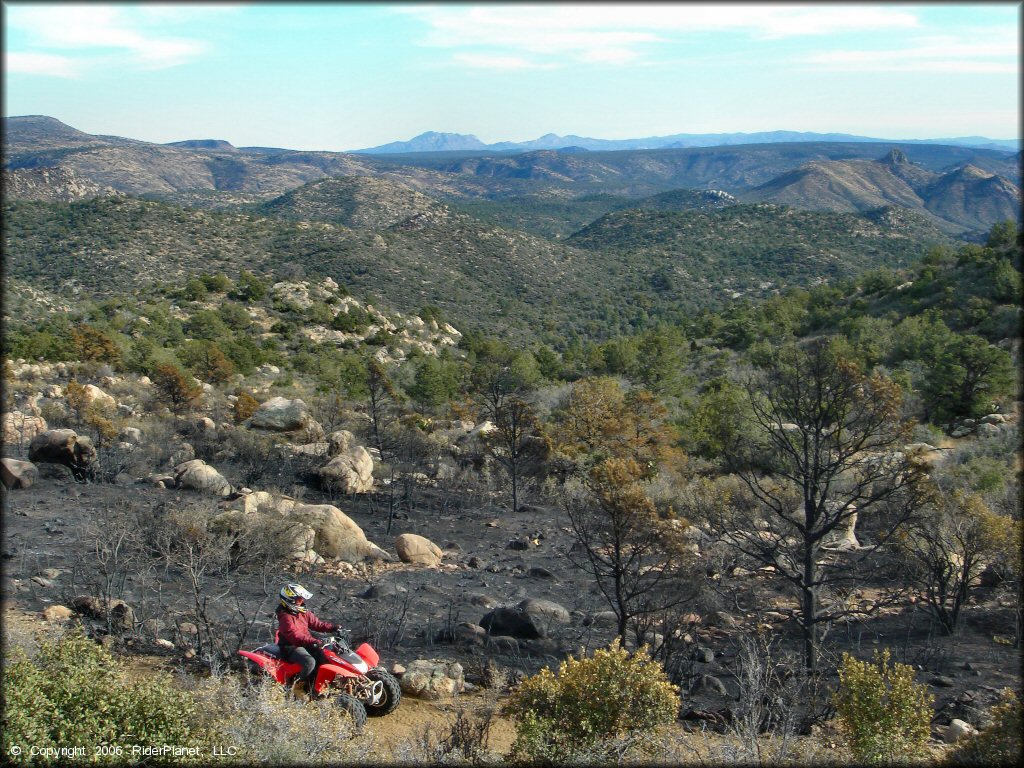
(823,448)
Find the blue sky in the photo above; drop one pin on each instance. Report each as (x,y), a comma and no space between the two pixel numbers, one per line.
(345,76)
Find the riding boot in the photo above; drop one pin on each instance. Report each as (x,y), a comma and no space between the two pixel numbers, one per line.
(301,690)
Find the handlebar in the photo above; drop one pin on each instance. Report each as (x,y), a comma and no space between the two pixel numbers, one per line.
(336,642)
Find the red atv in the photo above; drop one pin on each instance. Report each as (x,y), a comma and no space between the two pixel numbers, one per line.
(352,678)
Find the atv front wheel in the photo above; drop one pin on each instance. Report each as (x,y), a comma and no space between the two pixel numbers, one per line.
(392,693)
(355,709)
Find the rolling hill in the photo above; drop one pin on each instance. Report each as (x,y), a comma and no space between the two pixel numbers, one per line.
(628,268)
(965,198)
(358,202)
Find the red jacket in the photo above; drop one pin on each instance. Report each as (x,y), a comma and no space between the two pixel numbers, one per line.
(293,628)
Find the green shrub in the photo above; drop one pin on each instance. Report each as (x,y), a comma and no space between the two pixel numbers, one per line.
(885,715)
(1000,743)
(73,693)
(590,707)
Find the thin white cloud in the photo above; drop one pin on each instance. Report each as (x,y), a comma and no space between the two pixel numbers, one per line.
(40,64)
(972,54)
(485,61)
(134,34)
(620,33)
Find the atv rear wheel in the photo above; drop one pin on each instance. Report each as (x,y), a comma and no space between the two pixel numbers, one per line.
(355,709)
(254,674)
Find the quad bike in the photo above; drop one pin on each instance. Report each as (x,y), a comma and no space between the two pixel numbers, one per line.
(351,678)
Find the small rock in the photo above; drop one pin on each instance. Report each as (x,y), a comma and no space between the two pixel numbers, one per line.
(397,669)
(503,644)
(959,729)
(190,653)
(518,544)
(539,572)
(723,619)
(483,601)
(377,591)
(942,681)
(705,655)
(42,582)
(475,562)
(166,644)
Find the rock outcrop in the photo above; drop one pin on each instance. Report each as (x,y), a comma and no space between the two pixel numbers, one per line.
(21,428)
(66,447)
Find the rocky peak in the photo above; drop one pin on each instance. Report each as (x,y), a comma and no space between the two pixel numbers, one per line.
(217,144)
(896,157)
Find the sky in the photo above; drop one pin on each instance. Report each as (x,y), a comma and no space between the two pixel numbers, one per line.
(341,76)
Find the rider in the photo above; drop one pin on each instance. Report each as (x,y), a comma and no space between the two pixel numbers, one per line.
(298,646)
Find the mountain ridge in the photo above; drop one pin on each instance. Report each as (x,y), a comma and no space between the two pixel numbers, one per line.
(965,197)
(434,141)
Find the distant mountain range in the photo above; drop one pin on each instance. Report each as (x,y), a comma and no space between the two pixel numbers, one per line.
(962,189)
(433,141)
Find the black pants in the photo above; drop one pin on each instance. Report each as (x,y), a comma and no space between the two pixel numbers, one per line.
(309,658)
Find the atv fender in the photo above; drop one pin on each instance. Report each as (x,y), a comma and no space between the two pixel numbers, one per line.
(370,656)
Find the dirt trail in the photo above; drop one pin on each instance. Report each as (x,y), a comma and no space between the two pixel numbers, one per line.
(414,716)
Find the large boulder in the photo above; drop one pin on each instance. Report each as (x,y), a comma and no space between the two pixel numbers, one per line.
(21,428)
(417,550)
(513,622)
(96,396)
(18,474)
(279,414)
(197,475)
(544,614)
(336,534)
(349,472)
(63,446)
(432,679)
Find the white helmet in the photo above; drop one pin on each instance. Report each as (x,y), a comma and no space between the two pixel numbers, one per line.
(293,597)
